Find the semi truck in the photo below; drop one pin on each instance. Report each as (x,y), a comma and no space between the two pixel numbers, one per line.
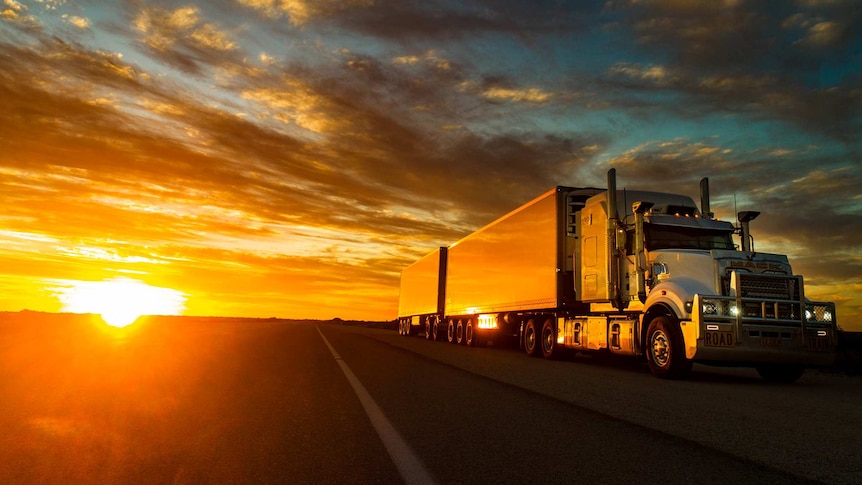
(644,274)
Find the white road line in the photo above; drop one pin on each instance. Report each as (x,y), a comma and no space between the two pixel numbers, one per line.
(411,469)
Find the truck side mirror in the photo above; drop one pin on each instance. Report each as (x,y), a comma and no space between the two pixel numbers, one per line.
(641,207)
(747,216)
(744,218)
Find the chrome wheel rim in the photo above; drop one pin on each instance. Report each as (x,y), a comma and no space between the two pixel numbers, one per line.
(548,340)
(660,348)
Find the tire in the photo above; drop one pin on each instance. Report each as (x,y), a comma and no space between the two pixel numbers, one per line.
(408,328)
(435,331)
(401,327)
(471,336)
(550,349)
(459,333)
(450,332)
(781,374)
(428,329)
(532,339)
(665,351)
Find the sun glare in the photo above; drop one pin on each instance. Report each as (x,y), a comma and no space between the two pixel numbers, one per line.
(120,301)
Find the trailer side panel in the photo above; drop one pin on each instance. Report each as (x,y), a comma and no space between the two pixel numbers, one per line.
(421,285)
(511,264)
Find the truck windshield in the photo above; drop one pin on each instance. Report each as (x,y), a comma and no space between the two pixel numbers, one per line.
(674,237)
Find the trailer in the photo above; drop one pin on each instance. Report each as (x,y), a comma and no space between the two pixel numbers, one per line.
(660,280)
(422,293)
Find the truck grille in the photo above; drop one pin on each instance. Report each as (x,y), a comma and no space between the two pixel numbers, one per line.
(772,287)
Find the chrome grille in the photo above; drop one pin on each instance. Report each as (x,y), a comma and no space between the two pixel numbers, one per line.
(768,286)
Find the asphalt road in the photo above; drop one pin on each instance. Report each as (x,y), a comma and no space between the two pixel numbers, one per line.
(196,401)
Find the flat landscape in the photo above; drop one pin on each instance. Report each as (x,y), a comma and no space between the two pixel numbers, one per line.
(196,400)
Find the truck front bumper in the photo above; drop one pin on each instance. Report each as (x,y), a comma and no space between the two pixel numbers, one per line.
(732,339)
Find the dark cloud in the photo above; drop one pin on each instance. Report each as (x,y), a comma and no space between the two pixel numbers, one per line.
(832,112)
(446,21)
(746,36)
(781,61)
(827,270)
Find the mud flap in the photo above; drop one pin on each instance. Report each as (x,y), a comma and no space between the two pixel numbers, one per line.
(689,337)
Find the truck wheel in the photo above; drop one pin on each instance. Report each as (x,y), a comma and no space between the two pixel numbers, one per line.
(408,328)
(401,327)
(531,339)
(450,332)
(664,350)
(435,331)
(783,374)
(428,329)
(459,332)
(550,349)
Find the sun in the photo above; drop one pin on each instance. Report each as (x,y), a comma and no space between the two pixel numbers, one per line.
(120,301)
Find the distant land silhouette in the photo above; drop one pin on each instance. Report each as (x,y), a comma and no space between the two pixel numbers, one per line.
(56,316)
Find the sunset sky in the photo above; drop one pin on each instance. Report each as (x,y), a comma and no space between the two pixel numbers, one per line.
(289,157)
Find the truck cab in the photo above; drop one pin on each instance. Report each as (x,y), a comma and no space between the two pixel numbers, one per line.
(690,292)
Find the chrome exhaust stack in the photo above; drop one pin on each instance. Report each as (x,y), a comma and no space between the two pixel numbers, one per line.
(613,244)
(704,198)
(612,195)
(640,208)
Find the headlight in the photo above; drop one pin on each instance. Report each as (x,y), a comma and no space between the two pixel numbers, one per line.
(718,307)
(710,308)
(819,312)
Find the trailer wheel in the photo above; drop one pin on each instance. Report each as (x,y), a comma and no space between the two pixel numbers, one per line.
(664,350)
(428,328)
(401,327)
(450,331)
(470,335)
(550,349)
(531,339)
(782,374)
(435,331)
(459,332)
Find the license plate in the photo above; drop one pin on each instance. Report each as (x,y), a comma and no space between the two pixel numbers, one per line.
(770,341)
(816,344)
(718,339)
